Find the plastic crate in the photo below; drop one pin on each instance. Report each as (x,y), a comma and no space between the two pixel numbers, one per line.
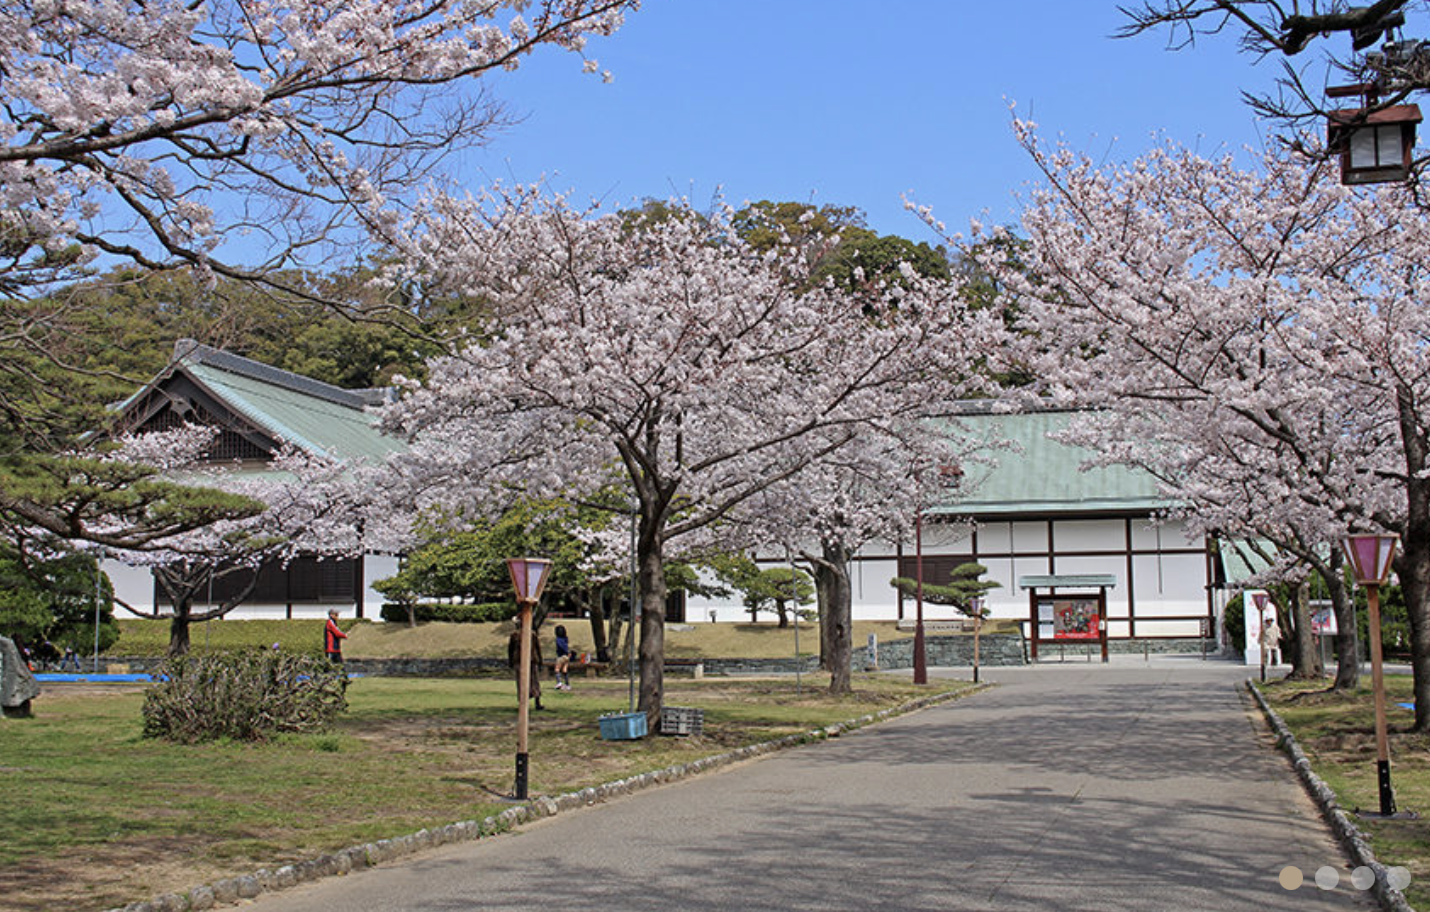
(623,726)
(681,720)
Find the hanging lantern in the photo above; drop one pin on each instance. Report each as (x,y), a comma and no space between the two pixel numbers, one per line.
(1376,147)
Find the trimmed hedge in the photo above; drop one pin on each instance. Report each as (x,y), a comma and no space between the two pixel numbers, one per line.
(452,614)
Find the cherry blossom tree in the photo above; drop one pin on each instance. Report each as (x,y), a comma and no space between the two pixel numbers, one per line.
(1253,336)
(666,355)
(244,140)
(1397,70)
(152,131)
(871,490)
(299,504)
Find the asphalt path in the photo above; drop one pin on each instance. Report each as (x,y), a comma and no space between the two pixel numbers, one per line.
(1069,786)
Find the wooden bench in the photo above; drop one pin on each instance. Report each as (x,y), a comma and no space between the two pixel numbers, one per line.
(590,669)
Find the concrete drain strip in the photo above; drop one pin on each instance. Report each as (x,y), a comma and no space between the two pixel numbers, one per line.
(1345,830)
(345,861)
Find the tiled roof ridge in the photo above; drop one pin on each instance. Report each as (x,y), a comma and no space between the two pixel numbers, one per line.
(1017,406)
(199,353)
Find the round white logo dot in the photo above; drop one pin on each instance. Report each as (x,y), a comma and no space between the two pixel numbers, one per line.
(1362,878)
(1327,877)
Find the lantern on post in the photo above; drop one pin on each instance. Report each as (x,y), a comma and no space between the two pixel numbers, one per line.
(1376,145)
(1370,557)
(528,578)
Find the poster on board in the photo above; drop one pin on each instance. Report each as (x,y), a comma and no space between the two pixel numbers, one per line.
(1323,620)
(1076,619)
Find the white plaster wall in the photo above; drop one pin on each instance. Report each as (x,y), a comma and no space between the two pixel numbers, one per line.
(136,586)
(1165,584)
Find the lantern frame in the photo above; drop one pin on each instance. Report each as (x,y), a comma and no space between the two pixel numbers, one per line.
(1390,133)
(528,577)
(1370,556)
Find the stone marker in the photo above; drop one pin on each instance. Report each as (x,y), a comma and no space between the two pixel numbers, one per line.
(17,686)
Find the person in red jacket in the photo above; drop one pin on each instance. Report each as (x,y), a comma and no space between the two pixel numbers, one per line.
(333,637)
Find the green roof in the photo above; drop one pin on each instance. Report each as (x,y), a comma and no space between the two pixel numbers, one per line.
(315,416)
(1039,476)
(1240,560)
(315,423)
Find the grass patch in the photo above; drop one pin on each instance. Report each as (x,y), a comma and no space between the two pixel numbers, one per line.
(97,816)
(1337,733)
(373,640)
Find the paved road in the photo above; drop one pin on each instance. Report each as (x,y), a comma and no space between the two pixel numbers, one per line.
(1070,786)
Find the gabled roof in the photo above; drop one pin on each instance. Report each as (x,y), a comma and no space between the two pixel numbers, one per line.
(286,407)
(1042,477)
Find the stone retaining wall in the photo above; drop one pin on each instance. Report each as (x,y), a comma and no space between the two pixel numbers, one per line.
(993,649)
(1056,652)
(941,650)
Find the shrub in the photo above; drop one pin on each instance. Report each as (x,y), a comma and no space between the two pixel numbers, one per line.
(245,695)
(456,614)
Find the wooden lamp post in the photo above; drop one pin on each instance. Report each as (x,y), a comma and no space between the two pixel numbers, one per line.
(1370,557)
(528,578)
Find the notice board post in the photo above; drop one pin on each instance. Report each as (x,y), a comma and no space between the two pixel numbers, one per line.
(1067,609)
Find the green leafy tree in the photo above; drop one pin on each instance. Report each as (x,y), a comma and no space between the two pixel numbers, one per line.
(839,244)
(50,598)
(781,590)
(467,561)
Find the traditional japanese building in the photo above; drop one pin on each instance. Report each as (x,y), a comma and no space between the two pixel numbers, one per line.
(1078,554)
(258,409)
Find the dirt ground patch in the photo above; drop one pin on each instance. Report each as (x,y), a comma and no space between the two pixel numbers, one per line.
(102,877)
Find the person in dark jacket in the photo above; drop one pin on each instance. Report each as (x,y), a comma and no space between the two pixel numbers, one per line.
(513,661)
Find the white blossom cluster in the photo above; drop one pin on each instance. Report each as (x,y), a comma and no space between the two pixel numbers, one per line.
(1257,338)
(669,356)
(147,129)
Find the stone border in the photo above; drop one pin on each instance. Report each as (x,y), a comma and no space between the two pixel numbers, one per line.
(1352,840)
(354,858)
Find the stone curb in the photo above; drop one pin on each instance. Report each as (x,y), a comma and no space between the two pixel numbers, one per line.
(1352,840)
(344,861)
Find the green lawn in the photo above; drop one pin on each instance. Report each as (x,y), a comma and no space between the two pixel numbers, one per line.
(1337,733)
(97,816)
(369,639)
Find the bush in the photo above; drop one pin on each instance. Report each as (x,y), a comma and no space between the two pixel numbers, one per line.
(247,696)
(1234,622)
(454,614)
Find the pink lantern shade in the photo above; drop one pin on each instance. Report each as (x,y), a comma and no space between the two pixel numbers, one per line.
(1370,556)
(528,577)
(1260,598)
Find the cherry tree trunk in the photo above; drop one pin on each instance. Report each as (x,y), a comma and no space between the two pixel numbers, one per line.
(179,630)
(1413,565)
(1347,641)
(836,598)
(1305,661)
(1413,570)
(651,573)
(596,609)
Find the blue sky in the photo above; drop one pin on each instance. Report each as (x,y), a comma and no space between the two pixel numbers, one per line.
(849,103)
